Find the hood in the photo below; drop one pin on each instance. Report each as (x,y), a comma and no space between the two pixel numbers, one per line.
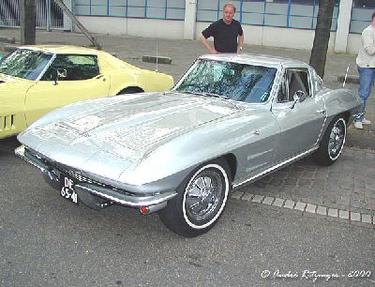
(9,83)
(12,93)
(125,127)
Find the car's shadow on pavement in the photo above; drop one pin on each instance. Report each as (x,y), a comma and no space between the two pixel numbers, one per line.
(8,145)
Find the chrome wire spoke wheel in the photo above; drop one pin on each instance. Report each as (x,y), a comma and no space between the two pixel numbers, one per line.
(200,200)
(205,196)
(337,139)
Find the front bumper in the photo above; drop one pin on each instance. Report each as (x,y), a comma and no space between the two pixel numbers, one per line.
(93,193)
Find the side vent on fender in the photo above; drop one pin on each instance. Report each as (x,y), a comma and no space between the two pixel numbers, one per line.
(7,122)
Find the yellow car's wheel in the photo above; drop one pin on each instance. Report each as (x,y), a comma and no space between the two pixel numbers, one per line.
(130,90)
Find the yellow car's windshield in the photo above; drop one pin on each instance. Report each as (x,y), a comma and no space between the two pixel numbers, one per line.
(25,64)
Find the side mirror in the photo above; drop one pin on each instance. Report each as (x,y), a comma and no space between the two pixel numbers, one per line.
(62,73)
(59,73)
(298,97)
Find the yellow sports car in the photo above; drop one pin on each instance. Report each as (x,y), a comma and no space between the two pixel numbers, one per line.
(37,79)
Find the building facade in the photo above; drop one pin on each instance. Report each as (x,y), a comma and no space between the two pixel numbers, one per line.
(278,23)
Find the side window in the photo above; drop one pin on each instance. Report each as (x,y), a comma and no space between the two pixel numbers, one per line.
(318,82)
(282,96)
(298,80)
(75,67)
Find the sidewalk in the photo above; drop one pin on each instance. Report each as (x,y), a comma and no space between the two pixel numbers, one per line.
(349,184)
(183,53)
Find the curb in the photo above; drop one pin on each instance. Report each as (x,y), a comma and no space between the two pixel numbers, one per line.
(305,207)
(350,79)
(8,48)
(10,40)
(156,59)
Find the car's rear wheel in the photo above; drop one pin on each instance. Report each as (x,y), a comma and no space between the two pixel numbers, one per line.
(333,142)
(200,201)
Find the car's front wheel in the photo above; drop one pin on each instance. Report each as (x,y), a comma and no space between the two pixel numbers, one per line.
(200,201)
(333,142)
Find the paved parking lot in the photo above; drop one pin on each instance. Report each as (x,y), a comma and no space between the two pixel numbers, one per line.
(347,185)
(46,241)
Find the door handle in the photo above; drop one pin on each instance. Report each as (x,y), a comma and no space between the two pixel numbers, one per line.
(322,111)
(100,76)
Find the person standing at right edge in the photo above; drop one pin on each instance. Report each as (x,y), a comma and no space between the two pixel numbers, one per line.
(227,33)
(366,69)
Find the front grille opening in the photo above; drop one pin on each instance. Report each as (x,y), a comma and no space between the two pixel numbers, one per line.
(73,174)
(12,121)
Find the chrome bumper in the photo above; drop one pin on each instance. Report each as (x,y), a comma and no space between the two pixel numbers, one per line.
(154,202)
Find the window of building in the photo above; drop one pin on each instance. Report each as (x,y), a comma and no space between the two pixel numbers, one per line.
(149,9)
(301,14)
(361,15)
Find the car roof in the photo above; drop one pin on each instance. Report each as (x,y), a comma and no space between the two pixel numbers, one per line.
(252,59)
(62,49)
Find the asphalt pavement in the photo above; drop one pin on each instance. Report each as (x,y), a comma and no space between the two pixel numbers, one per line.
(47,241)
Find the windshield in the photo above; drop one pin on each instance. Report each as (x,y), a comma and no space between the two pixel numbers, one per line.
(25,64)
(235,81)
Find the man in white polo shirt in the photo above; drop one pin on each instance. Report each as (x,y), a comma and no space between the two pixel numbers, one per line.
(366,69)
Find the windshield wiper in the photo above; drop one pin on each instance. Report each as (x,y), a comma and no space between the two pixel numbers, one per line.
(187,92)
(205,94)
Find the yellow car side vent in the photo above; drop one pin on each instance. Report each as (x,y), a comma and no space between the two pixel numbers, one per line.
(7,122)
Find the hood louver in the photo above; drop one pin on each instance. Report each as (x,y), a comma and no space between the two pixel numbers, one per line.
(6,122)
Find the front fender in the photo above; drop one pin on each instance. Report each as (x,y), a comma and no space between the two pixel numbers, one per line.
(188,151)
(122,79)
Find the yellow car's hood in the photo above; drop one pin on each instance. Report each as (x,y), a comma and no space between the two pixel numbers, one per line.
(12,93)
(5,78)
(12,81)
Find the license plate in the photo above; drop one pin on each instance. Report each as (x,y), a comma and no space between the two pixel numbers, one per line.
(67,190)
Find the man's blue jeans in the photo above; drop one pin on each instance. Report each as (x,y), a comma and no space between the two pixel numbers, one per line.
(366,82)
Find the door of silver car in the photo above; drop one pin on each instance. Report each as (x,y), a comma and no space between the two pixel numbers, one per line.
(298,112)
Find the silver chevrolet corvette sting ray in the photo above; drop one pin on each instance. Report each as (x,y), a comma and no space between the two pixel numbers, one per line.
(230,120)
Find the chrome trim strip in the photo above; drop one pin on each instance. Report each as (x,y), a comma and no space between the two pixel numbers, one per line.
(252,156)
(132,201)
(324,123)
(46,67)
(321,130)
(20,152)
(276,166)
(254,167)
